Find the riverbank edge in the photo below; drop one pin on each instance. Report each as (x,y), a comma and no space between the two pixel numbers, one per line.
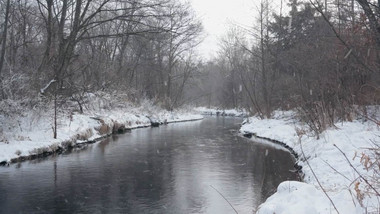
(74,141)
(294,189)
(243,114)
(254,137)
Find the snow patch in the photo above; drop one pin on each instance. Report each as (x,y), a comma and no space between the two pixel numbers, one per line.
(296,197)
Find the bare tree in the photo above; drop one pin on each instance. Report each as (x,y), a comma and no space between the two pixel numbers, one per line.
(3,45)
(372,13)
(183,36)
(264,36)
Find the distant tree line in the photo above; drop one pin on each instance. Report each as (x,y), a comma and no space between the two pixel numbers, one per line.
(321,57)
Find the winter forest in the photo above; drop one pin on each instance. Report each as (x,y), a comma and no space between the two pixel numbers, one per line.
(60,59)
(322,60)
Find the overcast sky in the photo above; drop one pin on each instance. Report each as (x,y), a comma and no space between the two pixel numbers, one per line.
(220,15)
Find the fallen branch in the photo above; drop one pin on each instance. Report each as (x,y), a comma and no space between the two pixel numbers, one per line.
(337,171)
(224,199)
(42,90)
(316,178)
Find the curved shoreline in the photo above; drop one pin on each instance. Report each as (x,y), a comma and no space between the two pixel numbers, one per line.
(323,161)
(298,168)
(249,135)
(77,143)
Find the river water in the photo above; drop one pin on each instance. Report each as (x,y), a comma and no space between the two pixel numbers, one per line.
(178,168)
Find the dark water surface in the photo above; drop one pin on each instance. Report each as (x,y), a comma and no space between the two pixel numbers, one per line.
(170,169)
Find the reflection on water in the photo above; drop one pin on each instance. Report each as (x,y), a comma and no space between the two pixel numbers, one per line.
(156,170)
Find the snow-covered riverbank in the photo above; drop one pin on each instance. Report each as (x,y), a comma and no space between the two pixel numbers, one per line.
(341,182)
(221,112)
(30,133)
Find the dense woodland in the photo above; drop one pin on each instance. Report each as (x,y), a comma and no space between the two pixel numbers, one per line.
(320,57)
(68,48)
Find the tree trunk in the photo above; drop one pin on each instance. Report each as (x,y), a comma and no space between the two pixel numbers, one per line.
(49,34)
(55,114)
(263,67)
(3,45)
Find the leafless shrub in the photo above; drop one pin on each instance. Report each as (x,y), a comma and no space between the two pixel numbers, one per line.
(370,160)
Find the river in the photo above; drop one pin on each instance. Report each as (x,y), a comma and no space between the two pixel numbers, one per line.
(186,167)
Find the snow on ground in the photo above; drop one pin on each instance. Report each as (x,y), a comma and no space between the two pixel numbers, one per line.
(331,167)
(31,132)
(222,112)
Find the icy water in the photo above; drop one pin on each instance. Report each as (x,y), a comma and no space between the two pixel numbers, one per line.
(170,169)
